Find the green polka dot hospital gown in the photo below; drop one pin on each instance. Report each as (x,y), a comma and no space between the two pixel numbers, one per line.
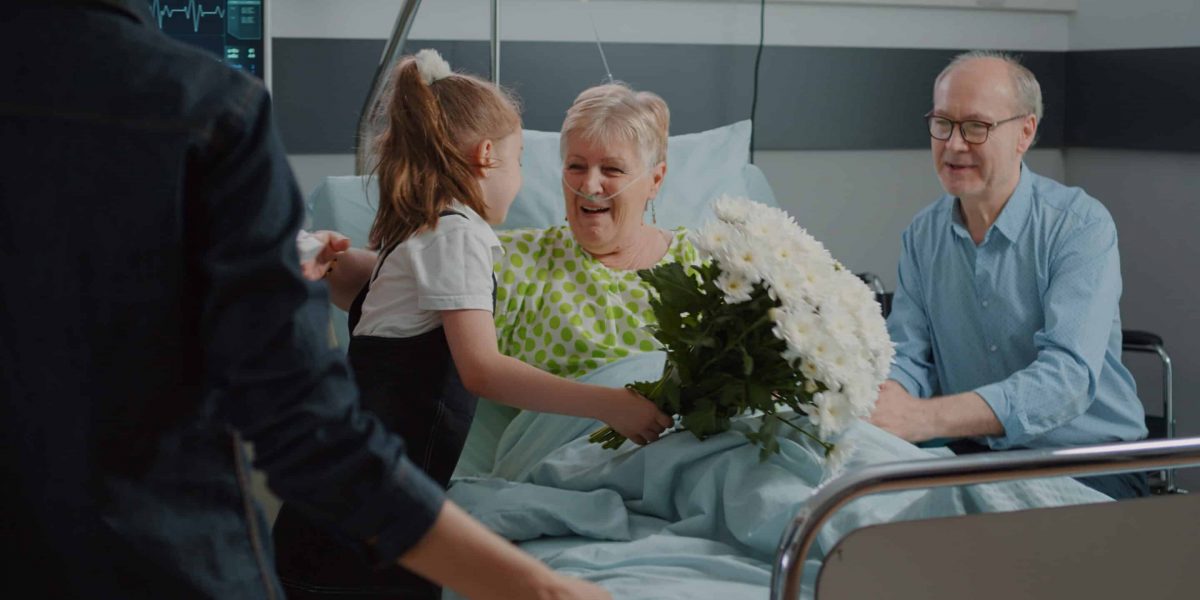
(564,312)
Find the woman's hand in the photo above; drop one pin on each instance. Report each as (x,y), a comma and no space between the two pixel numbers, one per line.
(633,416)
(333,244)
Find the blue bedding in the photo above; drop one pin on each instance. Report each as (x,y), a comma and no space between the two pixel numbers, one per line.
(682,518)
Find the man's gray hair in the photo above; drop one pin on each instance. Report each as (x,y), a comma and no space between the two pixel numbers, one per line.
(1025,85)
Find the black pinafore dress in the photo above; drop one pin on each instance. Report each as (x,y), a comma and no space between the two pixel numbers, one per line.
(413,386)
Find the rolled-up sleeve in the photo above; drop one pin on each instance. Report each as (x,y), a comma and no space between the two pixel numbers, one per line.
(269,370)
(1080,301)
(909,327)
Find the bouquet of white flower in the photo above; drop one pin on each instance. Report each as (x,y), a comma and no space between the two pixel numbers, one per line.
(769,321)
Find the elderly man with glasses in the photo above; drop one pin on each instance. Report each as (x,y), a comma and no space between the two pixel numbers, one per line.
(1005,317)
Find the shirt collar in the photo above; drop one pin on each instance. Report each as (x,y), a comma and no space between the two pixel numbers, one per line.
(476,220)
(1012,217)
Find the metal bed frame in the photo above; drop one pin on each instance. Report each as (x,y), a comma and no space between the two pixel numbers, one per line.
(800,535)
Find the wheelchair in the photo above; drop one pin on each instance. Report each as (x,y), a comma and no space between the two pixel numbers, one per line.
(1132,340)
(1160,426)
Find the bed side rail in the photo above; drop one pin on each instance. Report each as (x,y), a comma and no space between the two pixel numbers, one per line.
(798,538)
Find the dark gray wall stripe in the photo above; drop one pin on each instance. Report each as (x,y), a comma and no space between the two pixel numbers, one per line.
(1134,99)
(809,98)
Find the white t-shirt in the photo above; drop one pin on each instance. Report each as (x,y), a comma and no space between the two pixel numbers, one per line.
(449,268)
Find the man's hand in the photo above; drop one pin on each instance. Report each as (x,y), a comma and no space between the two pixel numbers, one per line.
(333,244)
(898,412)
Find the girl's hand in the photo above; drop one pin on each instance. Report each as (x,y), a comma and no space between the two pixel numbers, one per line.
(634,417)
(332,245)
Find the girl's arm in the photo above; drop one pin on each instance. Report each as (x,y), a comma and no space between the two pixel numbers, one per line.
(350,273)
(488,373)
(346,270)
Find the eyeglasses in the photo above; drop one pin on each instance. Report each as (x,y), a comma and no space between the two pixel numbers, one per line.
(973,132)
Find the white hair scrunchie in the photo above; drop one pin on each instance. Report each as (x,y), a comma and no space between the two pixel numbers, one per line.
(432,66)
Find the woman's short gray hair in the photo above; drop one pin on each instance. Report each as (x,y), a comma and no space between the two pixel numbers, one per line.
(614,112)
(1025,85)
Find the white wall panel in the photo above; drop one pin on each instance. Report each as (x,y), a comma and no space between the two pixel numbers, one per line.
(690,22)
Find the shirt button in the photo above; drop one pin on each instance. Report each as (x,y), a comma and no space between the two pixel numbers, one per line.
(985,303)
(992,348)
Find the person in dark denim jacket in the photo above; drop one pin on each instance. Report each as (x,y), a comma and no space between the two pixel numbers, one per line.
(153,314)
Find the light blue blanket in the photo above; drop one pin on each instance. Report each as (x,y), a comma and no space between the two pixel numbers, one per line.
(681,518)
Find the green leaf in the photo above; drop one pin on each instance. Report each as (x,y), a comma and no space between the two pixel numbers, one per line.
(747,363)
(669,403)
(649,389)
(702,419)
(674,286)
(761,398)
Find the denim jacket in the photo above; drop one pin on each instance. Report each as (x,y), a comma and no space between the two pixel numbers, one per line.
(152,315)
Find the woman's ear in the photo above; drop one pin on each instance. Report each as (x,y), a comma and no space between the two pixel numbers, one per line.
(484,155)
(657,174)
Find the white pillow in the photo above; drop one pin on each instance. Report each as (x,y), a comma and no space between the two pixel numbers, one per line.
(700,167)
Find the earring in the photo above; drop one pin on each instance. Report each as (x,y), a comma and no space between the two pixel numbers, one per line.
(653,213)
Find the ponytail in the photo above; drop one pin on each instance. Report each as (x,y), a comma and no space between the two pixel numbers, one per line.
(424,152)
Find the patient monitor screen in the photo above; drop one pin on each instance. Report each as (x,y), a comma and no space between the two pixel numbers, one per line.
(232,30)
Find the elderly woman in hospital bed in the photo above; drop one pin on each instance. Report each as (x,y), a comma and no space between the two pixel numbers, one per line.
(679,518)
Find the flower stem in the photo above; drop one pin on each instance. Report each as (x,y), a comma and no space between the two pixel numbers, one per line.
(765,319)
(828,447)
(654,393)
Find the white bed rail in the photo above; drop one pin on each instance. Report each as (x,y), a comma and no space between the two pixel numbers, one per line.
(800,535)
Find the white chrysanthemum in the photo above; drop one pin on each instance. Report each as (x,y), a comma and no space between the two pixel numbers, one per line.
(765,227)
(432,66)
(861,396)
(748,261)
(784,287)
(737,287)
(718,238)
(730,209)
(837,460)
(833,411)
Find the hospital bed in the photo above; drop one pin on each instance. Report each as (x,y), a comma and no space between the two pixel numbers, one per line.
(1117,549)
(1074,545)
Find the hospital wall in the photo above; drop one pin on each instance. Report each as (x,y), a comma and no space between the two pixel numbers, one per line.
(842,89)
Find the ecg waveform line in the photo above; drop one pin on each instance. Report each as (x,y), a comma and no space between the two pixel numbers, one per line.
(193,11)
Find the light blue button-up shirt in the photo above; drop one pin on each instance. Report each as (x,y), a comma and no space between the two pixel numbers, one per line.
(1028,319)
